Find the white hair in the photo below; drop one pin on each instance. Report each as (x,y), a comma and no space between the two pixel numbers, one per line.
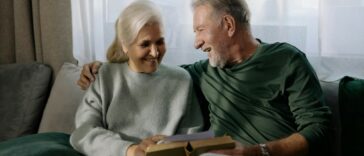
(133,18)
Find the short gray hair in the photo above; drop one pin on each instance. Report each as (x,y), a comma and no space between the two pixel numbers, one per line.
(238,9)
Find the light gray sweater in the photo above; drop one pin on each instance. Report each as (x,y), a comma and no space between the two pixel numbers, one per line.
(122,107)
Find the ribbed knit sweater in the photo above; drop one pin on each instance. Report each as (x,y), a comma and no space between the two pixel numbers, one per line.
(122,107)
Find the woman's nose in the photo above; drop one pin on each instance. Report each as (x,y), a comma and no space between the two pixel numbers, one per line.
(154,51)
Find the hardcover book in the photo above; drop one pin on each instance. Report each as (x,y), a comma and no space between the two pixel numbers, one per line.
(190,145)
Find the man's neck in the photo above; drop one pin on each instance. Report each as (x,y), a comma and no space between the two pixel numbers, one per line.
(244,47)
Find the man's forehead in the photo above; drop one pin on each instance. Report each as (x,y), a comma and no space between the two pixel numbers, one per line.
(200,13)
(203,8)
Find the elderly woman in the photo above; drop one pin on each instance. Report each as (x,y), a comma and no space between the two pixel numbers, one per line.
(134,104)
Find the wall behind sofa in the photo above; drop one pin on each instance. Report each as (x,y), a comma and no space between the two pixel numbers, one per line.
(36,31)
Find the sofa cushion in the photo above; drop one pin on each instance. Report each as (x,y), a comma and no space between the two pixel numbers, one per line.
(23,93)
(351,102)
(63,101)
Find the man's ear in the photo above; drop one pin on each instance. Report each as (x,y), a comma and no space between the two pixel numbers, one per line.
(229,23)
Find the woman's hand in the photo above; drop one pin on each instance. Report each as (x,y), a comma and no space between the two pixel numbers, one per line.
(140,149)
(135,150)
(88,73)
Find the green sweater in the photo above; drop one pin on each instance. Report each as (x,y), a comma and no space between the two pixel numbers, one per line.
(271,95)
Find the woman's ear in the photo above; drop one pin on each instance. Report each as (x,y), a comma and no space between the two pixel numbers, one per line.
(124,48)
(229,23)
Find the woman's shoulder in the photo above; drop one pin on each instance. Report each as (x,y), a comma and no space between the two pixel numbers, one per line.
(106,67)
(109,69)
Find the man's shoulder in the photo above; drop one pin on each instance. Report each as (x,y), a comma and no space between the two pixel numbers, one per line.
(285,52)
(282,48)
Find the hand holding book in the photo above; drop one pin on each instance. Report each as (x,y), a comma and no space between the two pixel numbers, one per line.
(190,145)
(139,149)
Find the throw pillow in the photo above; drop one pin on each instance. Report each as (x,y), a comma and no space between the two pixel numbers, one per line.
(23,93)
(351,100)
(331,90)
(63,101)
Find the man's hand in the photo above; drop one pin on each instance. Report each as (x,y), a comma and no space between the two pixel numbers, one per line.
(293,145)
(140,149)
(239,150)
(88,74)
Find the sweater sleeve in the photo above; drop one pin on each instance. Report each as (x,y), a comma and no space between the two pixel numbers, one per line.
(307,104)
(91,137)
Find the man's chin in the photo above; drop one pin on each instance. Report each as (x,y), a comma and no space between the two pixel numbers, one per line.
(216,64)
(212,65)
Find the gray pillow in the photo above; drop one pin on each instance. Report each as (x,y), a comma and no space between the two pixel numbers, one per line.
(63,101)
(23,93)
(331,91)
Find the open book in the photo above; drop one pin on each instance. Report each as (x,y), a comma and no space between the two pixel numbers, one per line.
(190,145)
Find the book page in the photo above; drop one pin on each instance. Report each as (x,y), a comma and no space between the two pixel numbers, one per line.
(212,154)
(188,137)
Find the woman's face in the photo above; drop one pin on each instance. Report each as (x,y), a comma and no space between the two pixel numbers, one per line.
(146,52)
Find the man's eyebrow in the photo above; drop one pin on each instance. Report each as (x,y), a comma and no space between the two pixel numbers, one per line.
(197,27)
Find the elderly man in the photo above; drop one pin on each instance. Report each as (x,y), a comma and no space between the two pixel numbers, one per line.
(266,96)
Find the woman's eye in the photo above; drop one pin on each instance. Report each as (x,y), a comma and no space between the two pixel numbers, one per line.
(160,42)
(144,45)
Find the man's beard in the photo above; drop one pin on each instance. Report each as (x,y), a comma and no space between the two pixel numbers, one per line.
(217,61)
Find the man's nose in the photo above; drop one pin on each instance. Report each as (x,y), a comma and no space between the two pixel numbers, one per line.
(198,43)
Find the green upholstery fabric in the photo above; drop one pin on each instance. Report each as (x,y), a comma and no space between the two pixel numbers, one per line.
(351,102)
(42,144)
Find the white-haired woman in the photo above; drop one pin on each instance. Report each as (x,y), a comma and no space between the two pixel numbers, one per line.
(134,104)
